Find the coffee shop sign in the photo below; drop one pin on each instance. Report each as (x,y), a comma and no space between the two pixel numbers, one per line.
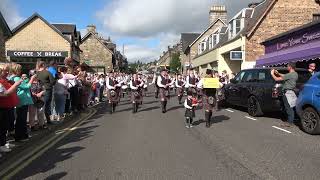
(37,53)
(298,41)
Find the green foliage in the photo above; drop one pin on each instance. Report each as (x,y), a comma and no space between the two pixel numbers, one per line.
(175,63)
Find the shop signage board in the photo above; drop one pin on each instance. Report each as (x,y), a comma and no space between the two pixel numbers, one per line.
(211,83)
(236,55)
(304,39)
(295,39)
(37,53)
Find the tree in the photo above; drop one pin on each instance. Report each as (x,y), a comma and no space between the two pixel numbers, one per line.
(175,63)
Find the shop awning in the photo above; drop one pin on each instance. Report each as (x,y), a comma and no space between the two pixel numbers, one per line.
(300,53)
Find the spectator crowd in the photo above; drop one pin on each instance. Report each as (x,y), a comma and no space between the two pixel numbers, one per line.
(43,97)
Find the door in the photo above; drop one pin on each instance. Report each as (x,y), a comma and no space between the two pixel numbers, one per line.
(246,87)
(316,94)
(233,89)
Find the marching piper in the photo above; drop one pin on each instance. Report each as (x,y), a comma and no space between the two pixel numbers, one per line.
(209,98)
(164,83)
(191,83)
(136,86)
(180,83)
(111,92)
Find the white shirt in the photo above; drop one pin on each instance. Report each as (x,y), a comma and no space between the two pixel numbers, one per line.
(186,104)
(135,87)
(61,86)
(102,81)
(108,85)
(159,82)
(187,82)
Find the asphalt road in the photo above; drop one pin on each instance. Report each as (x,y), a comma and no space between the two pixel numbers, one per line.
(151,145)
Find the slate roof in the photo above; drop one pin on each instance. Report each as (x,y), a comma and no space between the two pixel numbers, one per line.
(4,26)
(187,39)
(252,20)
(66,28)
(95,36)
(31,18)
(258,14)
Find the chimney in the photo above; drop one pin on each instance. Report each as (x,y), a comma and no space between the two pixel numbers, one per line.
(91,28)
(218,12)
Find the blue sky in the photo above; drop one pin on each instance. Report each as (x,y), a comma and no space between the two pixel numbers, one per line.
(145,27)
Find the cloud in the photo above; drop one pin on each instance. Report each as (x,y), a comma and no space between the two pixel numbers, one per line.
(10,12)
(161,20)
(141,53)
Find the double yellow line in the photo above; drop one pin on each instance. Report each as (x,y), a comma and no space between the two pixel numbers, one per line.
(24,161)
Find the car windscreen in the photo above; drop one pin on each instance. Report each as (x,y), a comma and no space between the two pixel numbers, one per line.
(303,76)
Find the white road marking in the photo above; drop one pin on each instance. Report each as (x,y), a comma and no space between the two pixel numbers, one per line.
(229,110)
(282,129)
(251,118)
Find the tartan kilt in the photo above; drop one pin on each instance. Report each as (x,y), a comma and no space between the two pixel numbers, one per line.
(180,91)
(208,106)
(163,94)
(193,90)
(136,98)
(190,113)
(112,98)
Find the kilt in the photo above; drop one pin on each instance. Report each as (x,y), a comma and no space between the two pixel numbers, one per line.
(193,90)
(190,113)
(163,93)
(207,106)
(137,98)
(112,98)
(180,91)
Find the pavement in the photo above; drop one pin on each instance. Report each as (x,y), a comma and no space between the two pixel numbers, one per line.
(152,145)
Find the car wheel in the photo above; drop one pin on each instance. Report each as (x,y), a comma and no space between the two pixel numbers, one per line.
(310,121)
(254,108)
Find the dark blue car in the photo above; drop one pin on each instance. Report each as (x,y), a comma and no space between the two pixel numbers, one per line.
(308,105)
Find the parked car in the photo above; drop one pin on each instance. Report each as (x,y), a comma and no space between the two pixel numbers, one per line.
(308,105)
(256,90)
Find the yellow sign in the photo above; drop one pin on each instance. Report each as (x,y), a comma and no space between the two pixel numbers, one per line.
(211,83)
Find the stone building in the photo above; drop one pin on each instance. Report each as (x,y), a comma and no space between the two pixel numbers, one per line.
(209,38)
(5,33)
(241,46)
(36,38)
(165,58)
(98,53)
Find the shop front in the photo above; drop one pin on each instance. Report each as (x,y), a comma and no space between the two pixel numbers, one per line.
(36,39)
(28,59)
(300,45)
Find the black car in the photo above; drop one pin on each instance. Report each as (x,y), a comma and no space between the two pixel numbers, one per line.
(256,90)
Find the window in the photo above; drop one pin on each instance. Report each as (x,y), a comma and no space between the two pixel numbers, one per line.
(239,77)
(248,77)
(211,42)
(238,25)
(202,46)
(262,76)
(235,27)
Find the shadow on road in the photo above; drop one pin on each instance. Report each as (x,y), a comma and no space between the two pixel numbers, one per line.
(56,176)
(63,150)
(149,109)
(219,119)
(175,108)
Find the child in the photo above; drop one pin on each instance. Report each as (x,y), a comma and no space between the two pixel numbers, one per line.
(190,103)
